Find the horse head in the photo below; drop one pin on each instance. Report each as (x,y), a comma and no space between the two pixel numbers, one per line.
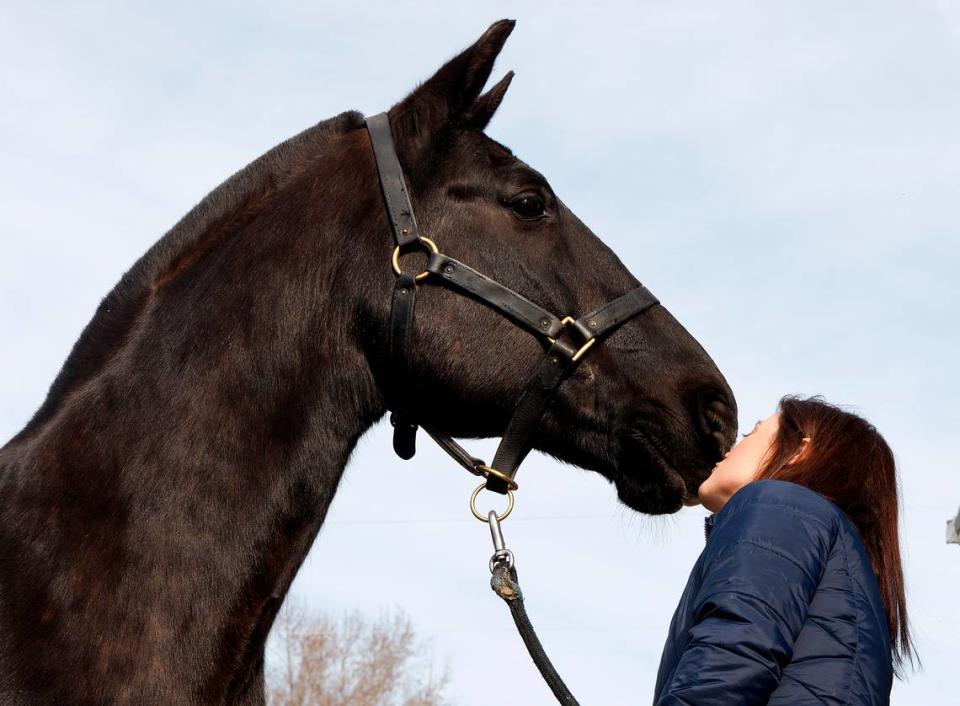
(647,408)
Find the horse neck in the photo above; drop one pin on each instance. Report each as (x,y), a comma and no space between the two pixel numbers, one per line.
(179,487)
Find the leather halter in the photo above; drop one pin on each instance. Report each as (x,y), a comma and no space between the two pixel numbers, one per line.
(561,356)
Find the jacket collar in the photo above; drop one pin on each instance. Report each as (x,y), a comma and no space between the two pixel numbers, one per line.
(708,525)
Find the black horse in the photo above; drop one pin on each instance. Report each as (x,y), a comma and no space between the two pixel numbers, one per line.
(156,508)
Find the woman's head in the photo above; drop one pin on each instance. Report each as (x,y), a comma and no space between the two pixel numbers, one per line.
(744,462)
(844,458)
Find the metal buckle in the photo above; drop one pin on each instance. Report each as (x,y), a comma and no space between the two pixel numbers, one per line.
(566,321)
(395,260)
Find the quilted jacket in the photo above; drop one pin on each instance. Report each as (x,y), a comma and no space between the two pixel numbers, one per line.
(782,607)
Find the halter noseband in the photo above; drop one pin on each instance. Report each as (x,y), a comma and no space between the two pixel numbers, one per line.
(561,356)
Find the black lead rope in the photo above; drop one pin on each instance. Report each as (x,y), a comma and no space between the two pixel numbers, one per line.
(566,340)
(505,584)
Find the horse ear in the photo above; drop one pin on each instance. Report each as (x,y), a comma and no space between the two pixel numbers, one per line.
(480,113)
(446,97)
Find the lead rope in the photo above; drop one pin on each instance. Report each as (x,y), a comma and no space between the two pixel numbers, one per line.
(505,584)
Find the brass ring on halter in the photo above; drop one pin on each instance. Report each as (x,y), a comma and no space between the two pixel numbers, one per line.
(423,240)
(490,472)
(500,518)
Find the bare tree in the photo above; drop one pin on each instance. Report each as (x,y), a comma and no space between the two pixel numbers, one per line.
(318,661)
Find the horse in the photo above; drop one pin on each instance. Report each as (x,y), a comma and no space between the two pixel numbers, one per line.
(156,507)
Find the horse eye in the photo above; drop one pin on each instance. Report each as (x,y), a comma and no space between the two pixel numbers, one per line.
(527,207)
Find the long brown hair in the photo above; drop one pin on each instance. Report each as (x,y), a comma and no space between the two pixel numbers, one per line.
(851,465)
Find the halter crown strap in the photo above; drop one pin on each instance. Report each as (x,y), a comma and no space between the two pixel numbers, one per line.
(405,232)
(395,195)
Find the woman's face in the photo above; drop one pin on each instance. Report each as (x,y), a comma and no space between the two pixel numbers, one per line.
(741,464)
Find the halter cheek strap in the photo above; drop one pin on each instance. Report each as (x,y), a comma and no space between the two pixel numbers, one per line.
(568,339)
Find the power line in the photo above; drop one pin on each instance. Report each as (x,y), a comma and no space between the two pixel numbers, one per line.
(465,520)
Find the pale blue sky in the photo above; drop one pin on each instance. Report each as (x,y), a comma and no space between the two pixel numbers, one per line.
(783,175)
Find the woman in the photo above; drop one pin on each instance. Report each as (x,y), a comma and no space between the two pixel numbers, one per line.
(798,596)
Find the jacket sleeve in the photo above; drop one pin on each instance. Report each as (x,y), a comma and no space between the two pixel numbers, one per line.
(764,564)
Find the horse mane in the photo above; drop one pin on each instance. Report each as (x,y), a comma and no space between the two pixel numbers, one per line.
(222,212)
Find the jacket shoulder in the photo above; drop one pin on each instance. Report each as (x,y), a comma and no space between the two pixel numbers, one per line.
(802,501)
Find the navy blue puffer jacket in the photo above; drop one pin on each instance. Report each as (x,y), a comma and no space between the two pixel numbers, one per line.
(782,607)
